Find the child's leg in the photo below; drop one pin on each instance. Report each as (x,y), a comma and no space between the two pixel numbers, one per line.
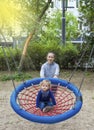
(49,103)
(42,105)
(48,107)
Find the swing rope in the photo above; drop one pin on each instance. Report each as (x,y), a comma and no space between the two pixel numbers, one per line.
(86,68)
(72,74)
(11,54)
(76,67)
(8,66)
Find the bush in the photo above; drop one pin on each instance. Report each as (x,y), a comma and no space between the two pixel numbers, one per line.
(68,56)
(65,55)
(36,56)
(9,58)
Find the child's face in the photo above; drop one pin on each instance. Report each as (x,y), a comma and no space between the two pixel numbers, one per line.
(45,87)
(50,58)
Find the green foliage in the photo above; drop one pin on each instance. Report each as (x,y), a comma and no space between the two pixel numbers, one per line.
(68,56)
(65,55)
(36,56)
(72,31)
(2,61)
(87,18)
(19,17)
(12,56)
(52,29)
(16,76)
(37,52)
(86,57)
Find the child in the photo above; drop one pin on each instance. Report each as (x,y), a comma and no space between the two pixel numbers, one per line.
(50,69)
(45,99)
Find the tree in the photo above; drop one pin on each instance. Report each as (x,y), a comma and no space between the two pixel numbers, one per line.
(30,12)
(18,17)
(26,14)
(87,18)
(52,29)
(32,33)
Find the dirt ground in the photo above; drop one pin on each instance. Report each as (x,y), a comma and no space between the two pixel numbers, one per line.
(84,120)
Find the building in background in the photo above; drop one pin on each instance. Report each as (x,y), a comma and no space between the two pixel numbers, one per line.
(73,4)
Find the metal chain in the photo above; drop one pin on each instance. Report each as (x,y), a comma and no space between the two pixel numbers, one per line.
(78,63)
(86,67)
(8,66)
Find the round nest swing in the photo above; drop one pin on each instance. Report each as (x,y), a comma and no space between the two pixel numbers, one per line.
(67,95)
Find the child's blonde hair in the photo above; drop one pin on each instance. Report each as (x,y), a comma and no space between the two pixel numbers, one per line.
(47,82)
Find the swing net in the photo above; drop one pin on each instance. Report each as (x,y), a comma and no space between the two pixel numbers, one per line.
(65,100)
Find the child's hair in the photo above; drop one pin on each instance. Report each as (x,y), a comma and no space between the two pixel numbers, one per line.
(47,82)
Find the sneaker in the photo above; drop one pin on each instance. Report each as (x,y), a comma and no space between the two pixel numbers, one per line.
(47,108)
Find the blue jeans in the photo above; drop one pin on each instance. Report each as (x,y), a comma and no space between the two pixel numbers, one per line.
(44,104)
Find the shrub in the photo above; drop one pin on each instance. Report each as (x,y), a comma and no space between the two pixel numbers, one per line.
(36,56)
(68,56)
(65,55)
(9,58)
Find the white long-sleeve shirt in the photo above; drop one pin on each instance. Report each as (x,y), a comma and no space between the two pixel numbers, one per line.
(49,70)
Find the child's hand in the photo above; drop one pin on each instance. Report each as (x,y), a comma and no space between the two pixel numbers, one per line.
(55,76)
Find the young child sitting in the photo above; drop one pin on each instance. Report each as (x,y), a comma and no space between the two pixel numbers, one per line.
(45,98)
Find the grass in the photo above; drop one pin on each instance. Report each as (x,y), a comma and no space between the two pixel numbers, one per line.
(64,74)
(5,76)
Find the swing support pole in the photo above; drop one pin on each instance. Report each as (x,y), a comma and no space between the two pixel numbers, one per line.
(63,22)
